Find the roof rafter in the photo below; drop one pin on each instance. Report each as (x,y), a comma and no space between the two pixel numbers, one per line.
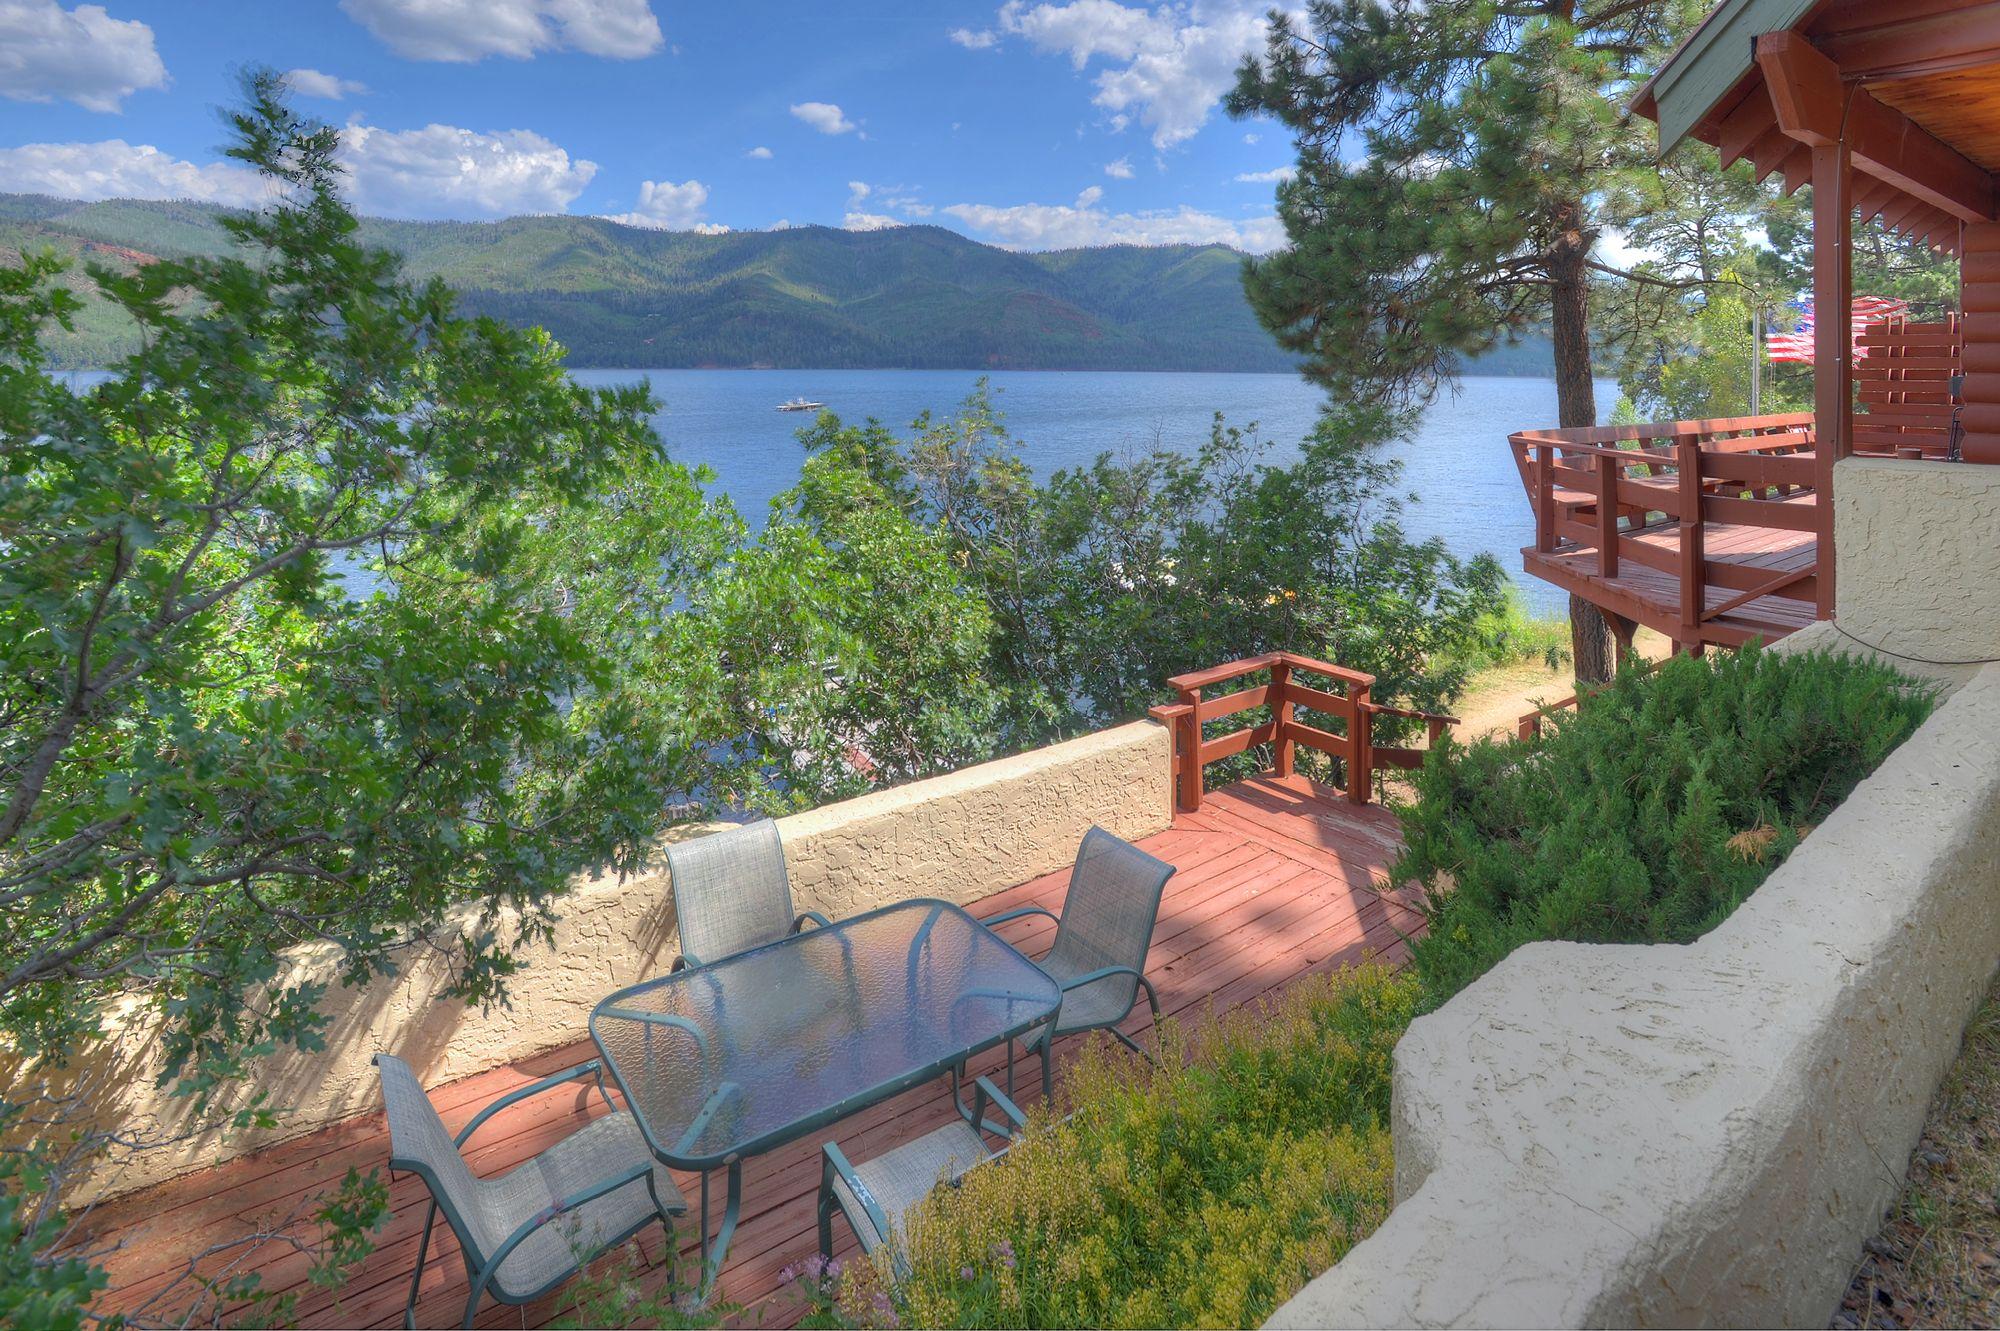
(1814,105)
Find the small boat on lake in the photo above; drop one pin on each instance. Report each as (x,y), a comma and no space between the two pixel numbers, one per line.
(800,404)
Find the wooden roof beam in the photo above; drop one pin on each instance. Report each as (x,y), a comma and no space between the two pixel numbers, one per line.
(1962,36)
(1816,107)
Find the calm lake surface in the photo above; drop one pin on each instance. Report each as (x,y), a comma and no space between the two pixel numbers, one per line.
(1457,463)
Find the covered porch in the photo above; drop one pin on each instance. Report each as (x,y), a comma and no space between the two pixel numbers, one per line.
(1720,531)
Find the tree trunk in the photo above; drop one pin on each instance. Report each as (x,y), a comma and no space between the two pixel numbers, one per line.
(1576,406)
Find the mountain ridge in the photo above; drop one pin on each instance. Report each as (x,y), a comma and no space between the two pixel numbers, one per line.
(618,296)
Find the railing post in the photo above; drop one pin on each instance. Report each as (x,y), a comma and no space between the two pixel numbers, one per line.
(1191,764)
(1281,714)
(1545,499)
(1687,458)
(1361,736)
(1608,468)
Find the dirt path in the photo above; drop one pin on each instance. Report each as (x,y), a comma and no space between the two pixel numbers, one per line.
(1495,700)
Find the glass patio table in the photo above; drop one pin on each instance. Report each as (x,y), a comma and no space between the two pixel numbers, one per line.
(728,1060)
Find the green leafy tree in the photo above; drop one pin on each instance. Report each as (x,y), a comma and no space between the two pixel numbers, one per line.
(1453,161)
(281,655)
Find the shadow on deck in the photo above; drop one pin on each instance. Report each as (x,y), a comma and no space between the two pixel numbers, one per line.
(1277,878)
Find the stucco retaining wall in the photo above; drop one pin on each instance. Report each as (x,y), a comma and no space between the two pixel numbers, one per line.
(1917,557)
(960,837)
(1698,1135)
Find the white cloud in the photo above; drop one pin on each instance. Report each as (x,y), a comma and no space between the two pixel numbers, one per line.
(759,154)
(1050,226)
(1271,177)
(985,39)
(115,169)
(665,206)
(312,83)
(855,221)
(857,190)
(1168,65)
(445,171)
(823,116)
(82,55)
(1120,169)
(466,30)
(1250,138)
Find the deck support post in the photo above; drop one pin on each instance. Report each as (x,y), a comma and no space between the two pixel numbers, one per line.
(1361,744)
(1190,791)
(1608,469)
(1281,717)
(1545,498)
(1833,335)
(1687,462)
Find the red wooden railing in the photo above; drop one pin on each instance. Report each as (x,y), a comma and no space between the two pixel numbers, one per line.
(1602,488)
(1902,386)
(1346,701)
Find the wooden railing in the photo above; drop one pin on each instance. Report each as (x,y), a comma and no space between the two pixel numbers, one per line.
(1603,488)
(1903,375)
(1346,701)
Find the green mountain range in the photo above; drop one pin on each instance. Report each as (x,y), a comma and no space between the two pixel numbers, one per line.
(917,297)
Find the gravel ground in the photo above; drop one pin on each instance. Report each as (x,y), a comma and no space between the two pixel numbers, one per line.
(1936,1262)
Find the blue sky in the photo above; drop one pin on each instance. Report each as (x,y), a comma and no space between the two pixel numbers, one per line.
(1035,125)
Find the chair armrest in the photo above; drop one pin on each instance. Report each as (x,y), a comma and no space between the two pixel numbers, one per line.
(837,1162)
(592,1068)
(1017,913)
(1092,977)
(984,1090)
(812,915)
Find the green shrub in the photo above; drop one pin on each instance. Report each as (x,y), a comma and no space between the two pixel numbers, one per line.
(1648,814)
(1203,1192)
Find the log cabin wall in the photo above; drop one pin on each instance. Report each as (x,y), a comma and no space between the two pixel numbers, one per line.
(1981,282)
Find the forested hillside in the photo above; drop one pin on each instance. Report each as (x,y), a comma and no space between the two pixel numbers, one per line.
(918,297)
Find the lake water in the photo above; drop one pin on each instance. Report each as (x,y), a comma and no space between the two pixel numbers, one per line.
(1457,463)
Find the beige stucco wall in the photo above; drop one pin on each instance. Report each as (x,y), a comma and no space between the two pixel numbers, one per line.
(1698,1135)
(959,837)
(1917,557)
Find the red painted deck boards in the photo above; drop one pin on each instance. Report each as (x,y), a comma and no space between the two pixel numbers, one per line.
(1276,879)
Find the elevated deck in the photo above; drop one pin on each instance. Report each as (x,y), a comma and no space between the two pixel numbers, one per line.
(1277,878)
(1710,532)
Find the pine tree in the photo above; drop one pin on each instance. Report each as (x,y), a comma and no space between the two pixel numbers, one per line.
(1453,156)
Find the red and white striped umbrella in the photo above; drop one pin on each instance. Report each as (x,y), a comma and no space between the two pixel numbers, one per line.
(1796,347)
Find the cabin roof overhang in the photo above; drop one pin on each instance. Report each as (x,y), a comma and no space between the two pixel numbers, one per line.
(1911,86)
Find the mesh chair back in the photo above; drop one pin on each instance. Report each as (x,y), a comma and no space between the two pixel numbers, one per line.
(1108,917)
(419,1142)
(730,890)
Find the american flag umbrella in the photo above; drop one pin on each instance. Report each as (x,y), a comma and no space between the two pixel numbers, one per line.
(1796,347)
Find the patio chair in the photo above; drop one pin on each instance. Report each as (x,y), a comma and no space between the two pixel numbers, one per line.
(601,1183)
(731,893)
(1102,935)
(875,1196)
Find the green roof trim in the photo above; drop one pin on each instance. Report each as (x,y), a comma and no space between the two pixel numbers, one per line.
(1714,59)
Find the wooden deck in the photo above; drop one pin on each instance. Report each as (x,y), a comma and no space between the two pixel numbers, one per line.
(1651,596)
(1710,532)
(1276,878)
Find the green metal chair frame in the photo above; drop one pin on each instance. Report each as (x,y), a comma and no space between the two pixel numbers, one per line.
(732,893)
(1108,916)
(481,1267)
(879,1228)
